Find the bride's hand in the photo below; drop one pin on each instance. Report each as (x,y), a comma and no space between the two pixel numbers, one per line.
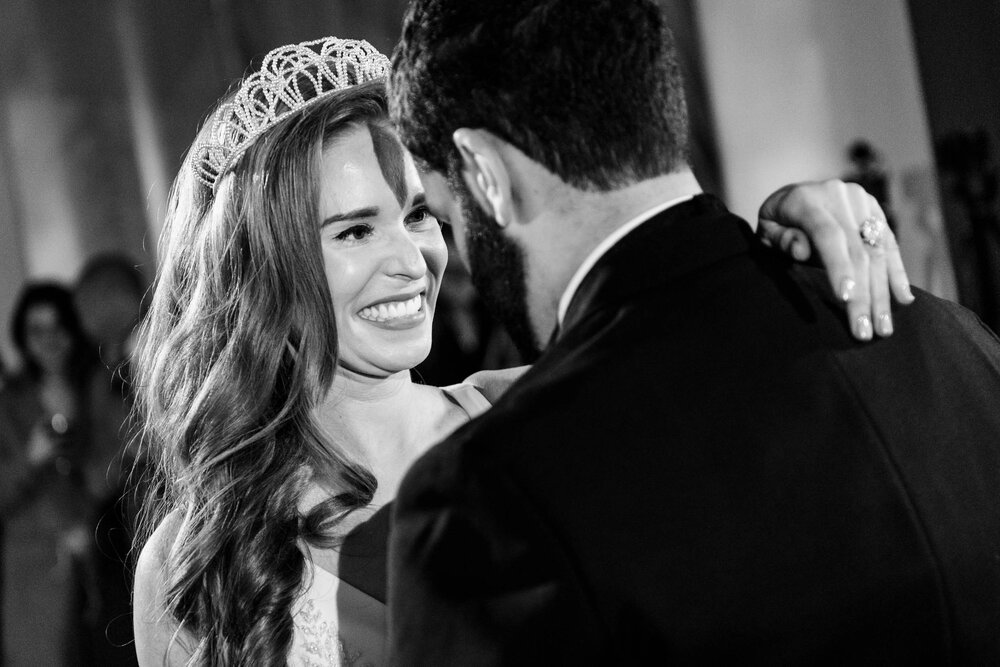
(493,384)
(826,216)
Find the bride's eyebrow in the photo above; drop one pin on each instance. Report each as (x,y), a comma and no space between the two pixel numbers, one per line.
(389,154)
(356,214)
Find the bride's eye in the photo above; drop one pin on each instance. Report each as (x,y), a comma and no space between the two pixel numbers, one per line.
(354,233)
(421,216)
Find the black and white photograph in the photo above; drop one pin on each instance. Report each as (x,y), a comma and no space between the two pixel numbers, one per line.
(433,333)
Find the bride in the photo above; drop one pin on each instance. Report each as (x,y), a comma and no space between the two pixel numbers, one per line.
(299,269)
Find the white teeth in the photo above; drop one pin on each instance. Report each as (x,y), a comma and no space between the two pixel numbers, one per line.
(390,311)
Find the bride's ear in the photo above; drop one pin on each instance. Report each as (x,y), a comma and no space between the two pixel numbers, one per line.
(485,172)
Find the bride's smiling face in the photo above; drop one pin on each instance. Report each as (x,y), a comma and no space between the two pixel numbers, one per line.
(382,249)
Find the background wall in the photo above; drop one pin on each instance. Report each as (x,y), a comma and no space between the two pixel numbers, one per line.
(794,82)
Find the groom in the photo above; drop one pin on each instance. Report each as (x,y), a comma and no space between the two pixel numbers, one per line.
(703,465)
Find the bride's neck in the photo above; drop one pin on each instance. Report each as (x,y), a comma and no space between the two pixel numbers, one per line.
(359,406)
(353,388)
(380,422)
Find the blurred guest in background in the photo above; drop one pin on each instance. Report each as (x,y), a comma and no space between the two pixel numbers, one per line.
(108,296)
(869,172)
(44,499)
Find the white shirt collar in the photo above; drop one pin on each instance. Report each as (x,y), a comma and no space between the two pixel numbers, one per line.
(605,245)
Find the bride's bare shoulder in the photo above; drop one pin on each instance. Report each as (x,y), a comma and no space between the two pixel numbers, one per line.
(154,553)
(158,637)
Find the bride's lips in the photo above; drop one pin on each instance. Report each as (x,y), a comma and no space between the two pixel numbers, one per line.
(397,312)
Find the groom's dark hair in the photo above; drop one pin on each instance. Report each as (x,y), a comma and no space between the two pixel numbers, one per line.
(590,89)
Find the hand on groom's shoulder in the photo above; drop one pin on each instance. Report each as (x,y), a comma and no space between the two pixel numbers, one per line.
(493,384)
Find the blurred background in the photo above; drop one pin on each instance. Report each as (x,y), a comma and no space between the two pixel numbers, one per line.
(99,99)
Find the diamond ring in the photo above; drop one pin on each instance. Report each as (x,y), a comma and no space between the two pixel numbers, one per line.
(872,230)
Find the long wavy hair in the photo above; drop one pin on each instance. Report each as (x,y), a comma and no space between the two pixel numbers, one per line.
(239,346)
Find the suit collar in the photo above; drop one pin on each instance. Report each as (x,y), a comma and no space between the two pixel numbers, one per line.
(676,242)
(605,245)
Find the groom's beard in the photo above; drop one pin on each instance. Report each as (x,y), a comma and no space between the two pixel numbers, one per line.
(496,264)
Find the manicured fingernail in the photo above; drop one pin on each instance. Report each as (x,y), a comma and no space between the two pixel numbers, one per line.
(885,324)
(863,327)
(846,289)
(909,292)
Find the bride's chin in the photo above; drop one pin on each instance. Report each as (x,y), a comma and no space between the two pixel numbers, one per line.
(404,358)
(383,368)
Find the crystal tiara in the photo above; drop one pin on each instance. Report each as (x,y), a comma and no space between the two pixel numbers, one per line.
(290,78)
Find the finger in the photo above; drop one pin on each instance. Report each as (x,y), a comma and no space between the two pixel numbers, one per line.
(795,243)
(799,246)
(770,210)
(791,241)
(879,284)
(830,244)
(859,307)
(769,232)
(867,207)
(899,282)
(786,241)
(880,275)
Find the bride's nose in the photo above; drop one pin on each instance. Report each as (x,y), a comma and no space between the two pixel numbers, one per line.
(404,257)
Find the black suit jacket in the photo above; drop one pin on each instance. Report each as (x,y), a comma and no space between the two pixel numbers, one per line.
(706,467)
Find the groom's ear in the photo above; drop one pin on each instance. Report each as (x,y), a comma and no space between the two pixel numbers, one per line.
(485,172)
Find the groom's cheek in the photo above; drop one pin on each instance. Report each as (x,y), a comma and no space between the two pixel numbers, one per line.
(458,233)
(447,207)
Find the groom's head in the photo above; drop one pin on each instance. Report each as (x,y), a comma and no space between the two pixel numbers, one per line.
(587,92)
(590,89)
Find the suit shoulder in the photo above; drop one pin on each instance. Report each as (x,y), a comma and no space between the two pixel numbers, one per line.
(950,325)
(957,312)
(472,452)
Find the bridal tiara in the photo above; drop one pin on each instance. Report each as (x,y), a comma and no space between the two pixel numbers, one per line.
(290,78)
